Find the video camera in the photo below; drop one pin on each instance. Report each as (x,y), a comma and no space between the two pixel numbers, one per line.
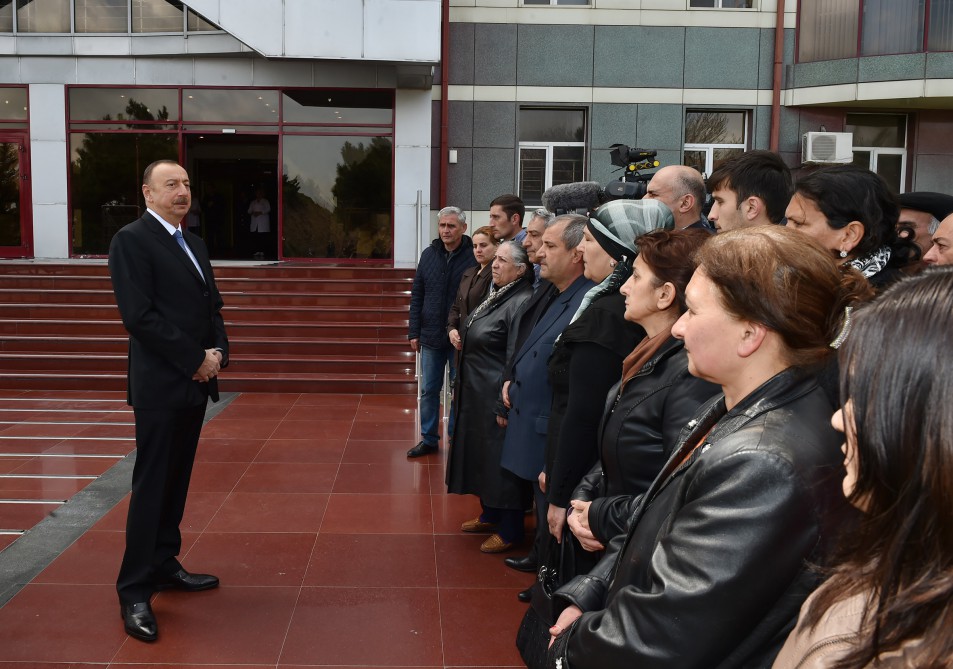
(585,196)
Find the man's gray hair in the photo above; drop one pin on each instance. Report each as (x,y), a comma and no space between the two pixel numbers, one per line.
(517,253)
(547,216)
(689,182)
(933,226)
(575,226)
(453,211)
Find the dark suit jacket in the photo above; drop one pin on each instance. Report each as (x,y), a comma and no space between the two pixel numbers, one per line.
(530,393)
(171,314)
(527,318)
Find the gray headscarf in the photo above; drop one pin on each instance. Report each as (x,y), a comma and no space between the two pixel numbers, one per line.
(616,225)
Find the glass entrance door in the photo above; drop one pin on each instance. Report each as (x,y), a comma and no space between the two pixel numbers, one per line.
(234,194)
(16,229)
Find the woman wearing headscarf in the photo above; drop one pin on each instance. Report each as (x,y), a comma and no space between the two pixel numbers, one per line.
(716,559)
(587,358)
(488,339)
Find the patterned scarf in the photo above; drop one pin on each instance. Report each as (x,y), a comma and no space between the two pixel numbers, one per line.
(493,297)
(873,262)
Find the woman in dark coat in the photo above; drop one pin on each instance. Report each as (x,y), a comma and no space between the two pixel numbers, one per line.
(474,285)
(473,466)
(645,411)
(720,552)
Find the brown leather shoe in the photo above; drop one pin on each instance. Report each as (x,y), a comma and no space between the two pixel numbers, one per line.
(476,525)
(495,544)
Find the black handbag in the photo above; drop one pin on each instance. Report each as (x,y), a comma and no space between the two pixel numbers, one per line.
(532,639)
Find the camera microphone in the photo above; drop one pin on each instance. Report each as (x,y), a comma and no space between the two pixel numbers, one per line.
(571,197)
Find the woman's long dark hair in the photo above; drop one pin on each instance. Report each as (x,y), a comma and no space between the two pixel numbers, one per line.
(845,193)
(897,371)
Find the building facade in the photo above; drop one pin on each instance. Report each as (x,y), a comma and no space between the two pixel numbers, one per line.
(310,105)
(338,115)
(539,91)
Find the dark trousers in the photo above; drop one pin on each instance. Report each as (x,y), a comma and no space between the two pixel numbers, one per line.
(540,541)
(166,440)
(509,522)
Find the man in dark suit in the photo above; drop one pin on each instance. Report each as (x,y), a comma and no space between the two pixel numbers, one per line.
(166,293)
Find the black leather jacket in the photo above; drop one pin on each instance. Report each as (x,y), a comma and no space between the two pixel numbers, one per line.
(713,569)
(638,433)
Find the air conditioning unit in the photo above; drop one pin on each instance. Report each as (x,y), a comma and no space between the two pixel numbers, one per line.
(827,147)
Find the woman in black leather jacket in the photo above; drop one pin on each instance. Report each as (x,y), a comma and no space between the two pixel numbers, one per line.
(714,565)
(656,397)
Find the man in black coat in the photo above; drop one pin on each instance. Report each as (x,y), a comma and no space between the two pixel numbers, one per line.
(166,293)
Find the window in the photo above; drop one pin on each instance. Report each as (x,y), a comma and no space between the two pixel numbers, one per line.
(713,136)
(333,199)
(123,133)
(156,16)
(723,4)
(556,2)
(830,29)
(223,105)
(6,18)
(892,26)
(552,150)
(941,25)
(43,16)
(880,142)
(336,181)
(198,24)
(102,16)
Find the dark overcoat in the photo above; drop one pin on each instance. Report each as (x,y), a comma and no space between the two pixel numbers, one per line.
(473,466)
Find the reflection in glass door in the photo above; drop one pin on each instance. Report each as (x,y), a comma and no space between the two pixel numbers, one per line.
(15,219)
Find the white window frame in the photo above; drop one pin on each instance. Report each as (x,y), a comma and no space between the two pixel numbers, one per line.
(553,3)
(718,5)
(548,146)
(709,149)
(877,151)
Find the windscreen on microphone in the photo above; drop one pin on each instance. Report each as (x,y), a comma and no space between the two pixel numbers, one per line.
(585,195)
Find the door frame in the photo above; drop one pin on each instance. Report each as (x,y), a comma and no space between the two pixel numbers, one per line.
(25,249)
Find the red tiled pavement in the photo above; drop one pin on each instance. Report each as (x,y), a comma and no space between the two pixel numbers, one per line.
(333,549)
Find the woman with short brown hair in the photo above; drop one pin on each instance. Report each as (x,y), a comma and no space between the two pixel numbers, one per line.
(713,567)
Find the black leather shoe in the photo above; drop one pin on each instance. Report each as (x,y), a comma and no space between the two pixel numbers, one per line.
(183,580)
(421,450)
(139,621)
(526,563)
(526,596)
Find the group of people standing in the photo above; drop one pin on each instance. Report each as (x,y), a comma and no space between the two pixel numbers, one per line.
(732,427)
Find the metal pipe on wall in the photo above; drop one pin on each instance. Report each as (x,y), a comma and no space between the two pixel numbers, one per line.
(444,159)
(774,142)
